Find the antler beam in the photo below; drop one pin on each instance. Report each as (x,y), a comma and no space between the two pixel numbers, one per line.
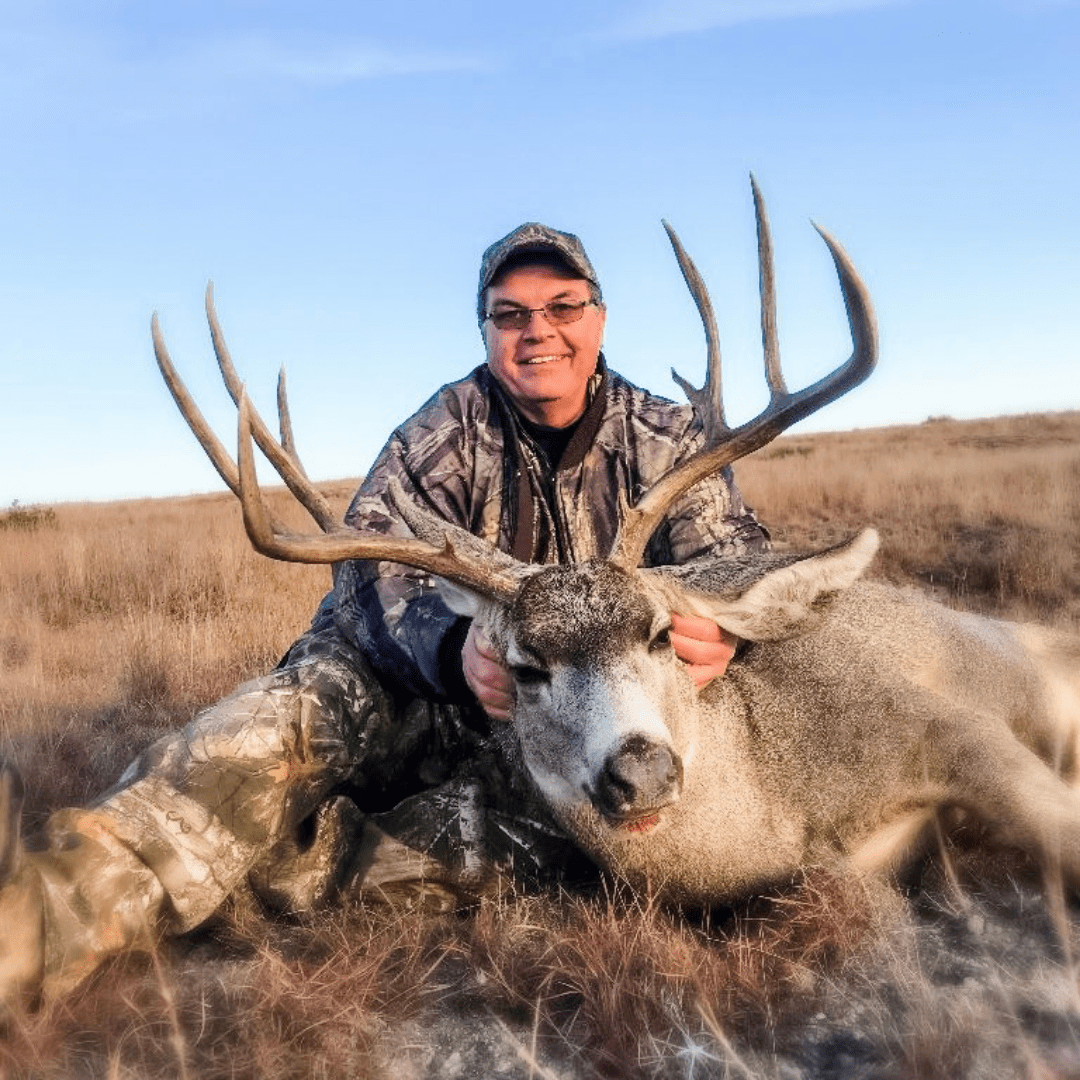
(724,445)
(342,543)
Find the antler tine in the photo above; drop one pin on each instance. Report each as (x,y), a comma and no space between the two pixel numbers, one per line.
(770,340)
(215,451)
(343,543)
(262,534)
(288,443)
(708,402)
(783,410)
(861,317)
(287,467)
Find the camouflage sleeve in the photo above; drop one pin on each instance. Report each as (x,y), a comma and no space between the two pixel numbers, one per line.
(393,613)
(709,521)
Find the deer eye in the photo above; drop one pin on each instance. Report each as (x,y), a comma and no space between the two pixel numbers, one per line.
(526,675)
(661,641)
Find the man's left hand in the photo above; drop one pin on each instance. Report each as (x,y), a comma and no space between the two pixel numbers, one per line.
(703,646)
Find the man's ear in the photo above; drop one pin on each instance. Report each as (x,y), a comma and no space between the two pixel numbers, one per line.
(784,601)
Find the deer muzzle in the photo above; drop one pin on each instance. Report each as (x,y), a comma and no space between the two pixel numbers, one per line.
(637,781)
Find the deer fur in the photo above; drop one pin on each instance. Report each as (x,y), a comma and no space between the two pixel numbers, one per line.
(853,715)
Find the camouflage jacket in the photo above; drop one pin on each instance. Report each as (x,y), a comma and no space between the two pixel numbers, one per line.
(467,457)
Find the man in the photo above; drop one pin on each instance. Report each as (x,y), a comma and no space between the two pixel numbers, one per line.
(372,756)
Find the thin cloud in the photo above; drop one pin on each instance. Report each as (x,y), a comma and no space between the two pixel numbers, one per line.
(42,59)
(657,20)
(324,65)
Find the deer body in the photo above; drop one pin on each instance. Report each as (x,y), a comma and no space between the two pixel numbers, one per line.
(839,734)
(854,715)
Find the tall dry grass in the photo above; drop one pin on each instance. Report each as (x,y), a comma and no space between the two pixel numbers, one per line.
(984,513)
(119,621)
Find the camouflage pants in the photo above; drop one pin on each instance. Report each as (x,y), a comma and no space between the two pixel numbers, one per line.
(308,782)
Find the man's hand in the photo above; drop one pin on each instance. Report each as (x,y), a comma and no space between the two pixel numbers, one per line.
(486,676)
(702,646)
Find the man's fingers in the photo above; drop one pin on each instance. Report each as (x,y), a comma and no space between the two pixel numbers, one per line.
(486,676)
(705,673)
(704,647)
(492,684)
(695,626)
(483,645)
(495,697)
(695,651)
(488,673)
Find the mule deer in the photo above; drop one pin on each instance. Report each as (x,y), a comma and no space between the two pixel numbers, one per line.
(853,714)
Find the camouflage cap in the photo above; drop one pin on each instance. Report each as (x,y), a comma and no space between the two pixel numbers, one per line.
(533,238)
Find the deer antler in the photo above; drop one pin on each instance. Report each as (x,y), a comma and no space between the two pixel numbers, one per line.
(488,577)
(724,445)
(460,557)
(281,455)
(288,443)
(286,463)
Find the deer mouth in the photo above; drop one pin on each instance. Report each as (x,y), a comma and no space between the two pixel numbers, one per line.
(637,825)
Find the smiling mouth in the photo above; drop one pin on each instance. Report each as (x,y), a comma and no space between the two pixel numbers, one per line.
(532,361)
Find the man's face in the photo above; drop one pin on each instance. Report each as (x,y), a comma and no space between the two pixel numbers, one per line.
(545,369)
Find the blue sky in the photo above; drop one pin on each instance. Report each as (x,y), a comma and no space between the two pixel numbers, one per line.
(337,168)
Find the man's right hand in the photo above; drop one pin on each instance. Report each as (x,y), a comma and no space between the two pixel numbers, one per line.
(486,676)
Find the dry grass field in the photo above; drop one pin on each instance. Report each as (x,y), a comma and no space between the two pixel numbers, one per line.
(120,621)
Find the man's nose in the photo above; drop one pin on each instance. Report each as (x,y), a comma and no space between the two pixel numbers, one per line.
(537,328)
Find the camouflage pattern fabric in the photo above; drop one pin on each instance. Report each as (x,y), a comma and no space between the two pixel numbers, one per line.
(464,457)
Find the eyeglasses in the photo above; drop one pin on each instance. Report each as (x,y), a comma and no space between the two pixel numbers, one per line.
(558,313)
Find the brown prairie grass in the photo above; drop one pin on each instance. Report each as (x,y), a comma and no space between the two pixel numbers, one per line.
(120,621)
(984,513)
(609,982)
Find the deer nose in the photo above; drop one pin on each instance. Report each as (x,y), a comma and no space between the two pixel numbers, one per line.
(641,777)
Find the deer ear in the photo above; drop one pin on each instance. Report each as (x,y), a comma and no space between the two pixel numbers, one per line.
(490,615)
(460,600)
(782,604)
(785,601)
